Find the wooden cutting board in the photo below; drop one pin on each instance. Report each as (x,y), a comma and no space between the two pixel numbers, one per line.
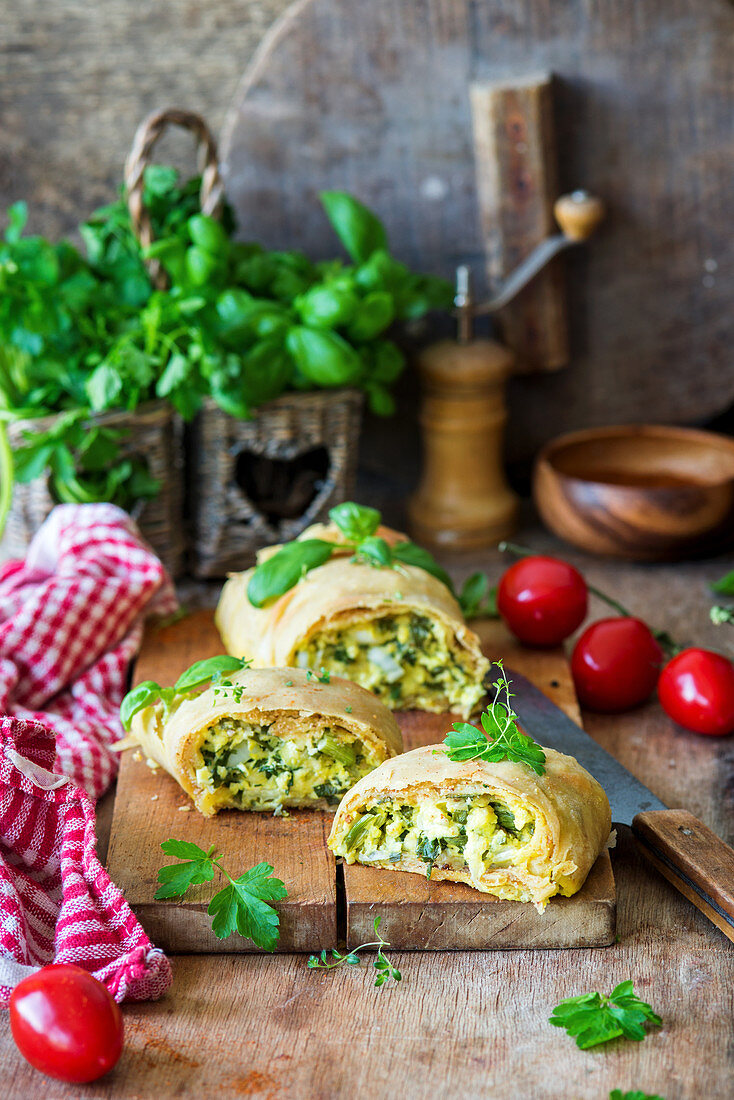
(326,902)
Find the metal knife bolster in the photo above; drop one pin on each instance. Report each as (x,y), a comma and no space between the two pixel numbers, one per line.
(549,726)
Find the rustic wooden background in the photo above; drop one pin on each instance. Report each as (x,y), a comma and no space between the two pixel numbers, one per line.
(644,108)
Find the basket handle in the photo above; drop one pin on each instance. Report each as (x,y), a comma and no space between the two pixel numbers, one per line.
(212,189)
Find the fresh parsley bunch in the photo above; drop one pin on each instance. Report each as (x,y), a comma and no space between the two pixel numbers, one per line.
(201,673)
(499,738)
(243,906)
(594,1018)
(358,525)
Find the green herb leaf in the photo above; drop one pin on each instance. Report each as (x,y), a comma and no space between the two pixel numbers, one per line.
(201,672)
(358,229)
(104,387)
(144,695)
(725,585)
(594,1018)
(383,966)
(243,907)
(178,877)
(411,554)
(280,572)
(477,599)
(373,551)
(355,521)
(617,1094)
(501,739)
(323,358)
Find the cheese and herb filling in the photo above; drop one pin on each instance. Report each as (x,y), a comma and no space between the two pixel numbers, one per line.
(245,765)
(407,660)
(474,835)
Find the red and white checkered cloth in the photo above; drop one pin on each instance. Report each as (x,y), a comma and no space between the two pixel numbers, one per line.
(71,619)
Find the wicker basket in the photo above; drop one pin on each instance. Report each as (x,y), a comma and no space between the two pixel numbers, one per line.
(153,433)
(309,438)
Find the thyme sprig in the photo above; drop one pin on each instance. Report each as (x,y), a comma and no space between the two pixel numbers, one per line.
(383,966)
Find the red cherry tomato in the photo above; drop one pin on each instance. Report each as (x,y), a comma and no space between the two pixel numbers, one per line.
(66,1023)
(615,664)
(542,600)
(696,689)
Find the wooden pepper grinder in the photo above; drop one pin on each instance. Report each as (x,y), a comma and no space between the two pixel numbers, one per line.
(463,501)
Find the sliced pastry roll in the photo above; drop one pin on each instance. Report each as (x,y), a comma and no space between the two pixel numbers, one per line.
(498,827)
(268,739)
(398,632)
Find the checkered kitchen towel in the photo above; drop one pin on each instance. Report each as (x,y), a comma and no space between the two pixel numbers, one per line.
(71,619)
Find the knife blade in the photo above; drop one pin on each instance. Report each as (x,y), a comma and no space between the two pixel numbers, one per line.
(692,857)
(549,726)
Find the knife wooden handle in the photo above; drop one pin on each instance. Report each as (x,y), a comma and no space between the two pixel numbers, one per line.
(693,858)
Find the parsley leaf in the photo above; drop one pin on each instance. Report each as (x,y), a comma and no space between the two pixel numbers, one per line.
(594,1018)
(178,877)
(323,677)
(243,906)
(499,739)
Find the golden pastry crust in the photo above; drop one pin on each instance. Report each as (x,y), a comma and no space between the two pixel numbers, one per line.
(570,811)
(338,594)
(284,698)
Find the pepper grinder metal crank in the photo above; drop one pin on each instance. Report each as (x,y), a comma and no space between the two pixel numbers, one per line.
(463,500)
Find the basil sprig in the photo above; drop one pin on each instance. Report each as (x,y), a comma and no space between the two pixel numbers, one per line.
(285,568)
(147,693)
(358,524)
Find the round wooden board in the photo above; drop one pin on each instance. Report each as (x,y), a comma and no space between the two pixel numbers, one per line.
(373,97)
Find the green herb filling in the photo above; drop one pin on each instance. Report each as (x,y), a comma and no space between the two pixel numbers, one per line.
(250,768)
(406,660)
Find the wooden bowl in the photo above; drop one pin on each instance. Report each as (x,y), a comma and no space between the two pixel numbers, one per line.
(642,492)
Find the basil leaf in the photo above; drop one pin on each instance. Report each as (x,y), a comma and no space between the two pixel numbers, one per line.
(381,401)
(285,568)
(355,521)
(388,363)
(207,233)
(324,358)
(326,306)
(266,371)
(142,696)
(358,229)
(374,551)
(201,672)
(410,554)
(375,312)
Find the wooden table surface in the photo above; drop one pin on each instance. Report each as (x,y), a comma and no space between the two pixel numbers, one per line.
(472,1024)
